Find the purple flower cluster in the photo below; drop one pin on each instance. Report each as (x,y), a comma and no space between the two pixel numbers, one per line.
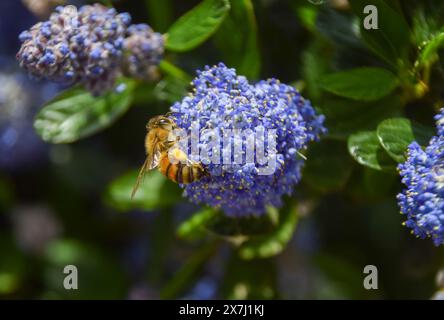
(86,46)
(423,199)
(144,49)
(223,100)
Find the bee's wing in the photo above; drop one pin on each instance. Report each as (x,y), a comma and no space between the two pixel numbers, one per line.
(153,157)
(140,177)
(151,162)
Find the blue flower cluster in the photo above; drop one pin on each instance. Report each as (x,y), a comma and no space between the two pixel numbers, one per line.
(223,100)
(423,199)
(85,45)
(144,49)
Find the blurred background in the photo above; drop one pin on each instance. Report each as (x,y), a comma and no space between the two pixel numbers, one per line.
(53,198)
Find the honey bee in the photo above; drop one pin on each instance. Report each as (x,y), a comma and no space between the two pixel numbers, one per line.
(165,155)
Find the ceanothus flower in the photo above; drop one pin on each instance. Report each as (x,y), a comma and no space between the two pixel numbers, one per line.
(221,101)
(92,46)
(76,46)
(423,199)
(144,49)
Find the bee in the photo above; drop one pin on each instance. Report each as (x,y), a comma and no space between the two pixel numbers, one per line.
(164,154)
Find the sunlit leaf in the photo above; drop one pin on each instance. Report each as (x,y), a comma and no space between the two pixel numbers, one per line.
(76,114)
(195,225)
(197,25)
(155,192)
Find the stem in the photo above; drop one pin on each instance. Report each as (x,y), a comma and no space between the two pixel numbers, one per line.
(172,70)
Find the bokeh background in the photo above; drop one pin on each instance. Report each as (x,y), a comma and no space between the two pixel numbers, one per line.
(54,211)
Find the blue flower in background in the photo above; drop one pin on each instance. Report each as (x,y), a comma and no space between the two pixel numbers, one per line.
(92,46)
(222,100)
(144,49)
(76,46)
(423,199)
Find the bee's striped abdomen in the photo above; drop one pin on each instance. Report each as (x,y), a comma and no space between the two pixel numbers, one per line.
(179,172)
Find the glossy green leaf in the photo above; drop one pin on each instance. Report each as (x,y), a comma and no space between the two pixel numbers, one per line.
(237,39)
(195,225)
(155,192)
(76,114)
(273,243)
(365,148)
(366,84)
(328,166)
(395,135)
(391,39)
(197,25)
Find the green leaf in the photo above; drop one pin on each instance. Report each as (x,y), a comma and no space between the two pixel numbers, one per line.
(366,84)
(392,38)
(197,25)
(329,177)
(395,135)
(344,117)
(365,148)
(76,114)
(271,244)
(195,225)
(238,41)
(429,51)
(155,192)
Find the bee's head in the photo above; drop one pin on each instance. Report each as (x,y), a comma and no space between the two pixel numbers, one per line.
(162,122)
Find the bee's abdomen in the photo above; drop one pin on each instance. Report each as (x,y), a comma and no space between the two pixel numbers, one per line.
(179,172)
